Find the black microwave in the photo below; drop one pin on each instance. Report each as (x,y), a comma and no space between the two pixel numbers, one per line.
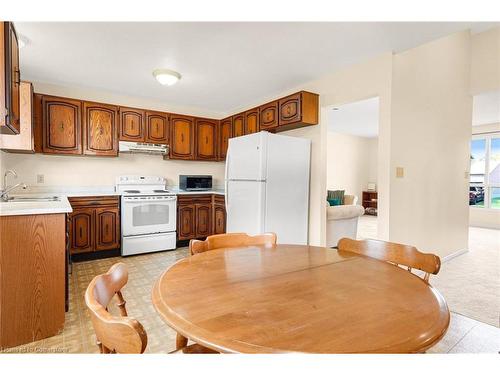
(190,182)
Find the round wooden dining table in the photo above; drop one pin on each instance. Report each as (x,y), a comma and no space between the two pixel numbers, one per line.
(302,299)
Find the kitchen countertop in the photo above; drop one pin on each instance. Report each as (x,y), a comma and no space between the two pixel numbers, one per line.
(35,208)
(63,205)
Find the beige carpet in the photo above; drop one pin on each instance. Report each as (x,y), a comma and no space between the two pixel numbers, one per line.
(470,282)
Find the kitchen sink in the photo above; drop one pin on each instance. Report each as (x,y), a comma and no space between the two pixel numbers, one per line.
(34,199)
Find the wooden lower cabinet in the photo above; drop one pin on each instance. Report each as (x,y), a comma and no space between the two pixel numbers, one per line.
(200,215)
(94,224)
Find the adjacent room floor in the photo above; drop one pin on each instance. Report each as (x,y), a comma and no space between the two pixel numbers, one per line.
(470,282)
(464,335)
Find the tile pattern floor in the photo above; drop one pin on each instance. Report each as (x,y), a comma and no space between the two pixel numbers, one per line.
(464,335)
(470,282)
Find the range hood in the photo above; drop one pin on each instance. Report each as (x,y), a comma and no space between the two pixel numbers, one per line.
(142,148)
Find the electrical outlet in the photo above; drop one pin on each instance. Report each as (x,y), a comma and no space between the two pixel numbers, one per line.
(400,172)
(40,178)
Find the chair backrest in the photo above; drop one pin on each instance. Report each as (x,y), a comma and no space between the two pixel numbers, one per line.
(395,253)
(115,334)
(219,241)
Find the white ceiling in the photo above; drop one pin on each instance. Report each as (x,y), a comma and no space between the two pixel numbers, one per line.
(357,118)
(224,65)
(486,108)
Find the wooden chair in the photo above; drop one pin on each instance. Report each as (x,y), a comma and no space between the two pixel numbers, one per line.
(394,253)
(119,334)
(220,241)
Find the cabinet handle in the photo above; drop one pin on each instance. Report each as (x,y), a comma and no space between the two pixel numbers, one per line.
(17,80)
(81,233)
(62,126)
(182,137)
(157,128)
(101,130)
(206,140)
(106,230)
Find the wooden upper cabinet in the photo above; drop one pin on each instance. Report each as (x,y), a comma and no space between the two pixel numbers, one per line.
(132,125)
(252,121)
(269,116)
(10,81)
(157,129)
(206,139)
(182,137)
(298,110)
(61,125)
(100,129)
(225,132)
(238,125)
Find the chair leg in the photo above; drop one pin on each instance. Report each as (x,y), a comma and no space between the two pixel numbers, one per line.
(180,342)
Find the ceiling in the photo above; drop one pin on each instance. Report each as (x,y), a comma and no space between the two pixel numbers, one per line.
(224,66)
(357,118)
(486,108)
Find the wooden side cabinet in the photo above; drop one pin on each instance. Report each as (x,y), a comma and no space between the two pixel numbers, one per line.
(182,137)
(100,129)
(252,121)
(219,215)
(186,221)
(10,80)
(238,125)
(94,224)
(61,125)
(225,132)
(132,124)
(298,110)
(206,139)
(203,219)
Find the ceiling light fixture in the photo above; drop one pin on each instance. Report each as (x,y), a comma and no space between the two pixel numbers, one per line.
(166,77)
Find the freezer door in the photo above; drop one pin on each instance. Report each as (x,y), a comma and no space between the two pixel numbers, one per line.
(245,206)
(246,157)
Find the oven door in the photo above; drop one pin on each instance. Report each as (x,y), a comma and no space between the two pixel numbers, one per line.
(148,214)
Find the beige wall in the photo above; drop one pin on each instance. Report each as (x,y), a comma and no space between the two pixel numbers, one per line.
(351,163)
(485,217)
(485,61)
(431,121)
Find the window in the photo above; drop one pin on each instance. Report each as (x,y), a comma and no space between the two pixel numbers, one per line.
(484,187)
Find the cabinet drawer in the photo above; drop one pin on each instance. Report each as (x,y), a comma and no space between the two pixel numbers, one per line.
(94,201)
(194,198)
(219,199)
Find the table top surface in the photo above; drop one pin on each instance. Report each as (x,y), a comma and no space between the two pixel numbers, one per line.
(293,298)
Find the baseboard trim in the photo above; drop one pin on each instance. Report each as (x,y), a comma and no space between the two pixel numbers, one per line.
(454,255)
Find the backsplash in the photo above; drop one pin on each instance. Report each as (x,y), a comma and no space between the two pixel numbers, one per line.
(102,171)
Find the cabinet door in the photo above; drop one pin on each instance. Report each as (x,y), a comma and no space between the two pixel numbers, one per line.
(181,137)
(238,125)
(269,116)
(219,219)
(61,125)
(10,81)
(186,222)
(290,109)
(81,230)
(132,125)
(157,128)
(225,131)
(206,139)
(107,228)
(100,130)
(203,220)
(252,121)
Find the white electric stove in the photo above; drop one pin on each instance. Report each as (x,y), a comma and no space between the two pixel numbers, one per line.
(148,214)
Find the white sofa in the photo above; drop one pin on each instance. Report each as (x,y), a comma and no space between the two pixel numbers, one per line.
(342,221)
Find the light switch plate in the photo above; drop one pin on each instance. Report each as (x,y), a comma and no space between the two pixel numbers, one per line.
(40,178)
(400,172)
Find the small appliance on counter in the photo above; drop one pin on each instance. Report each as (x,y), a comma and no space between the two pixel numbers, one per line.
(148,214)
(195,182)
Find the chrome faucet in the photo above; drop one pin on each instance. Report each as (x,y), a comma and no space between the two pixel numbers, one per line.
(5,190)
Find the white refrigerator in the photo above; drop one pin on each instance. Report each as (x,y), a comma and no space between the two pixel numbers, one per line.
(267,186)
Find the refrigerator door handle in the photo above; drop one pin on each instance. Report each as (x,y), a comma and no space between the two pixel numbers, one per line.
(226,177)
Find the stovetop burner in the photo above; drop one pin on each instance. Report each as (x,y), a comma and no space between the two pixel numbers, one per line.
(132,191)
